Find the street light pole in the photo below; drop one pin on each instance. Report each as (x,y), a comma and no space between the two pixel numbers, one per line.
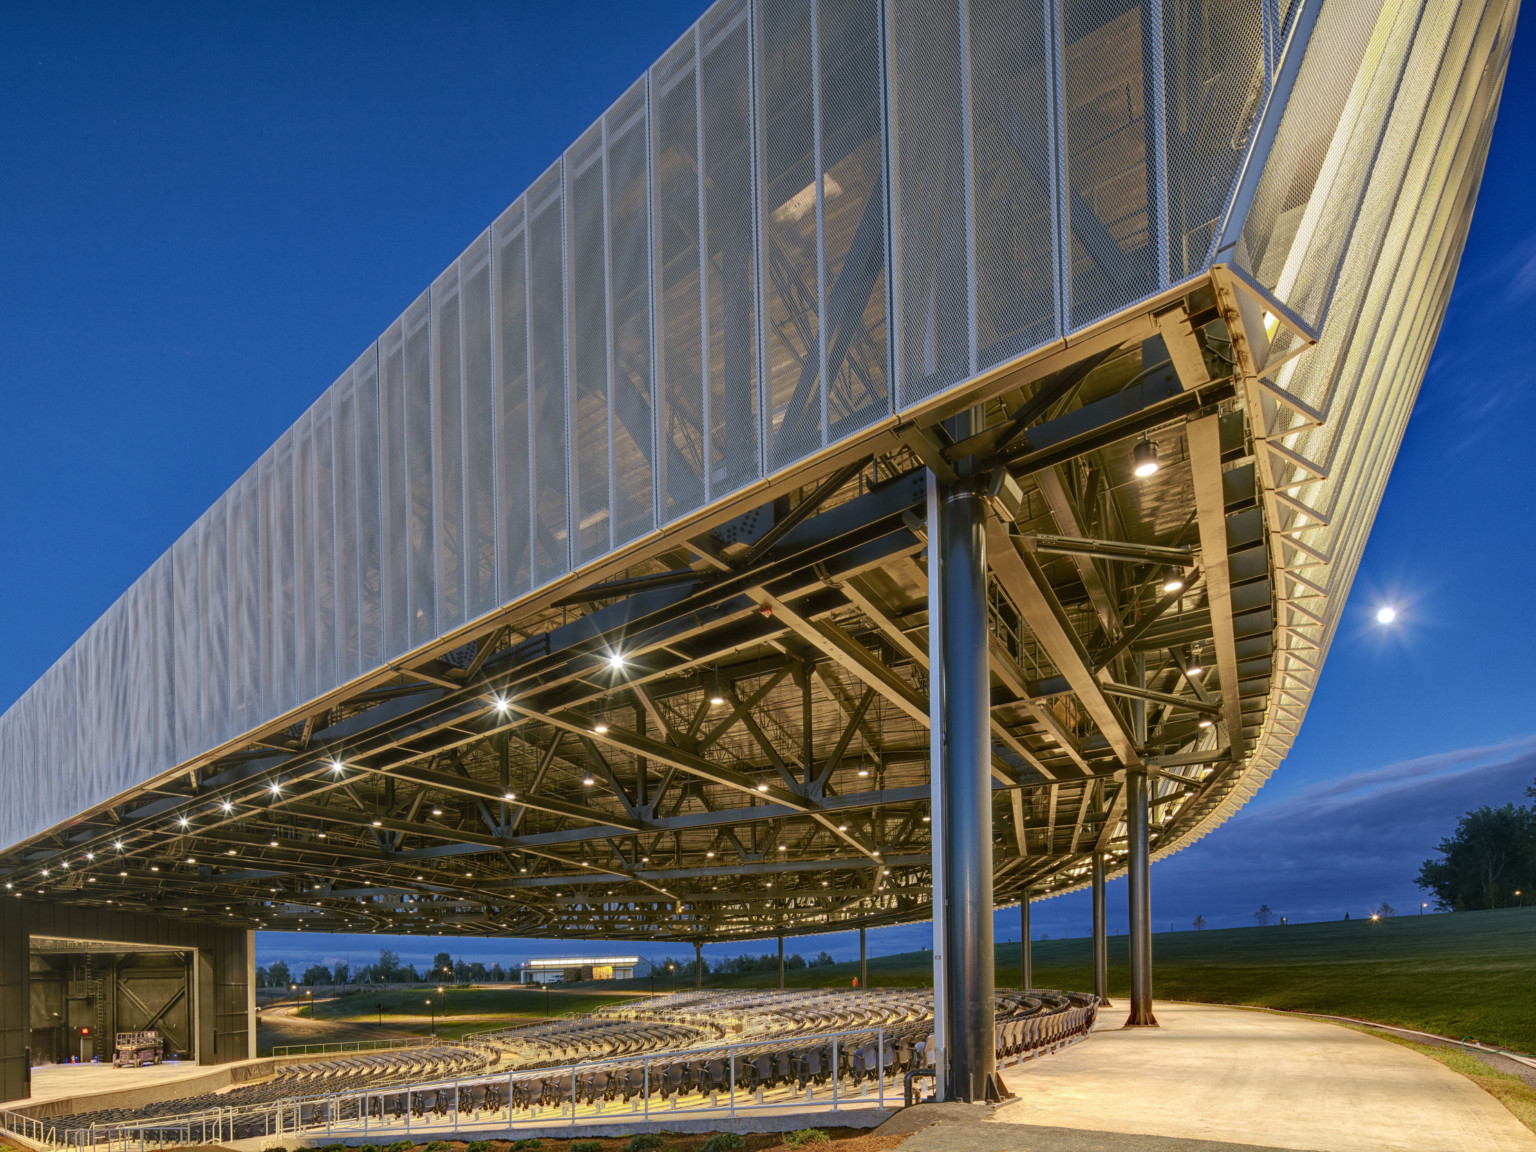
(434,1016)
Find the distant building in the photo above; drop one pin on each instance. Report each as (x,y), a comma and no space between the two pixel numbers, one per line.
(579,968)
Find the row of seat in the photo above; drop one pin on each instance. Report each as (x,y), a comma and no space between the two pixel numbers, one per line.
(694,1042)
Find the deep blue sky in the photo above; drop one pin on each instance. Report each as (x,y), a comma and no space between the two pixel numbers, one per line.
(207,211)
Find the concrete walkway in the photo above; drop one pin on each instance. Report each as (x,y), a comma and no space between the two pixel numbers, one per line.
(1246,1078)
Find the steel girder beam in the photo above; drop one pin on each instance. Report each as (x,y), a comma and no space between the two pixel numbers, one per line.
(1021,576)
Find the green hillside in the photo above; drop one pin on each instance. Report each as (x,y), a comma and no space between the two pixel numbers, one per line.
(1464,974)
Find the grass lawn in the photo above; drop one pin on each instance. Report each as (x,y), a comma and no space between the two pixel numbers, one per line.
(1461,974)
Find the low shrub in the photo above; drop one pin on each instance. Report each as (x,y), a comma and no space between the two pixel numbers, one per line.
(586,1146)
(527,1142)
(435,1146)
(803,1136)
(337,1147)
(641,1141)
(275,1148)
(478,1146)
(723,1142)
(401,1146)
(369,1148)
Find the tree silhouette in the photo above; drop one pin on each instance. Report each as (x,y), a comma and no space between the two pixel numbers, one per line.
(1491,854)
(1199,923)
(1264,915)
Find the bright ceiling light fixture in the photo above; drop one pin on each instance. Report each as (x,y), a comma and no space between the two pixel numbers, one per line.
(1173,580)
(615,661)
(276,788)
(227,806)
(337,766)
(600,728)
(1386,614)
(1144,459)
(763,787)
(588,781)
(1205,722)
(182,820)
(1192,666)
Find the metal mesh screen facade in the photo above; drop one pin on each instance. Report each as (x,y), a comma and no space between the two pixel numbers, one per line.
(806,218)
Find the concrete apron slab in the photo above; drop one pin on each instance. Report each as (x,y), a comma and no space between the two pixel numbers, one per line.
(1253,1078)
(65,1089)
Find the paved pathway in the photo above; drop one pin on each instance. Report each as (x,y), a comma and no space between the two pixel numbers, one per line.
(1227,1075)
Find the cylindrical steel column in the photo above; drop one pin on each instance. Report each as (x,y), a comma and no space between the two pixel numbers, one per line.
(781,961)
(1140,894)
(1100,933)
(965,775)
(863,961)
(698,963)
(1026,952)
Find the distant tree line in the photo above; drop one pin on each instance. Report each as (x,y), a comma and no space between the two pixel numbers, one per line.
(766,962)
(388,970)
(1488,862)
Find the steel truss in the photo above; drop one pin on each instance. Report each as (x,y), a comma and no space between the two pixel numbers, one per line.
(724,733)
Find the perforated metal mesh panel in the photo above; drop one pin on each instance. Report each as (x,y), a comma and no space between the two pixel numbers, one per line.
(730,267)
(514,454)
(791,236)
(678,254)
(1215,79)
(1014,141)
(345,521)
(929,198)
(476,352)
(1110,162)
(421,569)
(447,452)
(629,301)
(855,343)
(588,340)
(320,513)
(546,348)
(394,505)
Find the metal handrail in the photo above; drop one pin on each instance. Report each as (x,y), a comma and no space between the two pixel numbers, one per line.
(341,1046)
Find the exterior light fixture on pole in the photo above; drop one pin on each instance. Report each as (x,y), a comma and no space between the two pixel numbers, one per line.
(1144,459)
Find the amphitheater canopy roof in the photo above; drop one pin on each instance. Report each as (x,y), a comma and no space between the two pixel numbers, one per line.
(592,598)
